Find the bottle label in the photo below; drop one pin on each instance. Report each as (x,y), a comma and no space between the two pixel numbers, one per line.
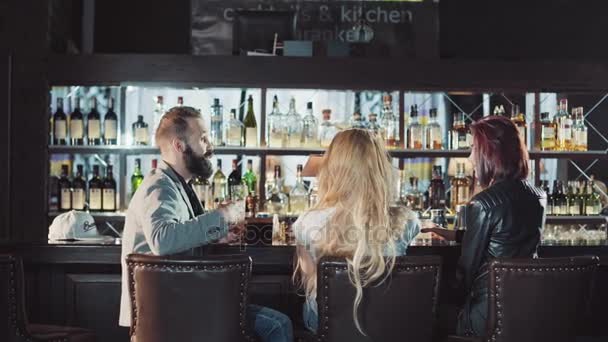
(76,130)
(110,129)
(60,129)
(109,199)
(78,199)
(234,136)
(276,140)
(94,129)
(580,138)
(251,137)
(141,135)
(575,209)
(565,133)
(65,196)
(95,199)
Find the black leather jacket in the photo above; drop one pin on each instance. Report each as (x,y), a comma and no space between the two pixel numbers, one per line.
(504,220)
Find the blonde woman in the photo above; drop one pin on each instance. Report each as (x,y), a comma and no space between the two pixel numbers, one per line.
(354,218)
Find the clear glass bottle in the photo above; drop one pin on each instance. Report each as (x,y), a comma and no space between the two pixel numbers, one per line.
(580,130)
(414,196)
(294,125)
(298,198)
(415,131)
(519,119)
(390,122)
(278,202)
(460,187)
(327,129)
(310,129)
(276,126)
(140,131)
(548,133)
(251,125)
(217,123)
(219,184)
(234,130)
(200,187)
(460,139)
(357,121)
(564,127)
(434,139)
(159,111)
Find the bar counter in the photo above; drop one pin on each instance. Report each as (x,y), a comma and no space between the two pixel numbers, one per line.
(78,284)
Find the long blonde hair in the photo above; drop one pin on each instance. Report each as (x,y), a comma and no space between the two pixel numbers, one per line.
(356,178)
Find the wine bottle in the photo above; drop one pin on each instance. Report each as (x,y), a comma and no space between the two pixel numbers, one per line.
(251,126)
(77,125)
(94,124)
(65,190)
(108,201)
(95,188)
(60,125)
(110,125)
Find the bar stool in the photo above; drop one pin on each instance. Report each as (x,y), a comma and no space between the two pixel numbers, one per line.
(188,298)
(402,308)
(14,326)
(532,300)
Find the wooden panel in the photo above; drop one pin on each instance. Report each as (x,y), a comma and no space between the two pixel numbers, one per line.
(327,73)
(93,302)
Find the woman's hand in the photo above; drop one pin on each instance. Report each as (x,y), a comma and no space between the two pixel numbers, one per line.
(440,233)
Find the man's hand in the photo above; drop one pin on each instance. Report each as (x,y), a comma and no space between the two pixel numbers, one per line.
(236,234)
(232,212)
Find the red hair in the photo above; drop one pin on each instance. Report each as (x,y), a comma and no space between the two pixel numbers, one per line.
(498,151)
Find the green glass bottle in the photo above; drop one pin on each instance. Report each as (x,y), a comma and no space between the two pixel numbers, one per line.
(137,177)
(249,178)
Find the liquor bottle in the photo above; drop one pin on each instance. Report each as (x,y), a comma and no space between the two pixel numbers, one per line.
(460,139)
(580,131)
(65,190)
(60,125)
(434,140)
(108,200)
(276,126)
(137,177)
(564,127)
(548,140)
(574,200)
(79,186)
(278,202)
(560,202)
(298,198)
(390,122)
(414,196)
(313,195)
(593,203)
(545,186)
(294,125)
(415,131)
(217,123)
(251,204)
(140,131)
(234,179)
(110,125)
(234,130)
(219,184)
(460,187)
(200,187)
(327,129)
(374,126)
(94,124)
(77,125)
(95,189)
(159,111)
(180,101)
(310,129)
(437,189)
(251,126)
(519,119)
(250,178)
(358,121)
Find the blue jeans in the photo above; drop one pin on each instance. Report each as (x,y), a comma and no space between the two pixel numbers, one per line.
(310,315)
(269,325)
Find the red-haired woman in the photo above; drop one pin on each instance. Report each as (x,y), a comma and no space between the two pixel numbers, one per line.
(503,220)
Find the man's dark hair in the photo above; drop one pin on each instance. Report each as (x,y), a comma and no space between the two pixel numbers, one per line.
(174,124)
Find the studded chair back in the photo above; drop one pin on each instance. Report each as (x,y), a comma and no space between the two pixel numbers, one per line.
(194,299)
(402,308)
(536,300)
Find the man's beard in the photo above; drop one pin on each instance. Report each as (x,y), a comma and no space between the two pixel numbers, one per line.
(197,165)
